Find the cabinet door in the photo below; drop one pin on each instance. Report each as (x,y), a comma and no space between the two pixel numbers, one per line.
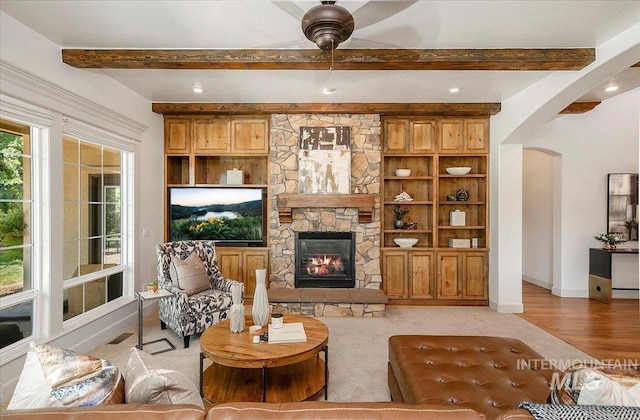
(396,136)
(250,136)
(421,277)
(476,136)
(253,259)
(448,286)
(230,263)
(177,137)
(474,283)
(423,137)
(394,273)
(450,136)
(212,135)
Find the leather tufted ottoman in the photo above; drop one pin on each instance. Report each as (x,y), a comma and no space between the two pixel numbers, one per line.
(488,374)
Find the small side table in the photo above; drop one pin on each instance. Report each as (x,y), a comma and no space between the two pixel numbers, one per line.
(142,296)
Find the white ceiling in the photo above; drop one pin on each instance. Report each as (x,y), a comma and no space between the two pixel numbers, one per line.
(270,24)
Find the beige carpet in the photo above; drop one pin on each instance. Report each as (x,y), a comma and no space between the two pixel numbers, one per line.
(358,346)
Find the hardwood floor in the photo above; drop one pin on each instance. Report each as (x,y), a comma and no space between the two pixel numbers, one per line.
(603,331)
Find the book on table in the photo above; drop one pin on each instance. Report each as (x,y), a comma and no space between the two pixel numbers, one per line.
(291,332)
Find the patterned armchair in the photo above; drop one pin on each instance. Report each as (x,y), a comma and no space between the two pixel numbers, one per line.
(188,315)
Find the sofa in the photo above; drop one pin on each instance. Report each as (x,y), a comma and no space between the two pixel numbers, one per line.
(429,377)
(298,410)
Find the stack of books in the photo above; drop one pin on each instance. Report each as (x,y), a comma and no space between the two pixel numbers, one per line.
(292,332)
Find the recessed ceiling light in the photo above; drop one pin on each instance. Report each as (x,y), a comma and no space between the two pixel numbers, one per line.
(328,90)
(454,90)
(197,89)
(611,88)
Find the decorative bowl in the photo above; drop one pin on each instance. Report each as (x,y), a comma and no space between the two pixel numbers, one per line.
(405,242)
(403,172)
(459,170)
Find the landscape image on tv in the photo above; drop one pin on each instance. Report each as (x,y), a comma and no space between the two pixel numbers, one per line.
(218,214)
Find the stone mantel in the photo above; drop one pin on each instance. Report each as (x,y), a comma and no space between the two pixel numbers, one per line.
(287,202)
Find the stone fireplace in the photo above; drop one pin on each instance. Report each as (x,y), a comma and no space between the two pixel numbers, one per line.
(365,179)
(327,214)
(325,259)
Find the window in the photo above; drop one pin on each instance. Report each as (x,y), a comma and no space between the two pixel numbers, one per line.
(93,226)
(17,294)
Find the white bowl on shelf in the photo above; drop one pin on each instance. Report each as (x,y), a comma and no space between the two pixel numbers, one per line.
(405,242)
(403,172)
(459,170)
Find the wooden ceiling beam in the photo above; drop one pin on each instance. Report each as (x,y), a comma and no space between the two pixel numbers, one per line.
(580,107)
(457,109)
(546,59)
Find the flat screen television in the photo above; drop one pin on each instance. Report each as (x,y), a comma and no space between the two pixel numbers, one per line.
(231,216)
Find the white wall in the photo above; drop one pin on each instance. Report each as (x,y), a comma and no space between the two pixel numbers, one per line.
(591,145)
(95,99)
(537,217)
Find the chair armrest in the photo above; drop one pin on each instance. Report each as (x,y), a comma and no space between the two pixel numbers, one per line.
(225,284)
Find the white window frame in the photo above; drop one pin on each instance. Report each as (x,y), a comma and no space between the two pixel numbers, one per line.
(85,132)
(40,121)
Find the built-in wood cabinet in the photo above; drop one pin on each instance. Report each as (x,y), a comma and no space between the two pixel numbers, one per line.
(241,263)
(199,150)
(408,275)
(433,269)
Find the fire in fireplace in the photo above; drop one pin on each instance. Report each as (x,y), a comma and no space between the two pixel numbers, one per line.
(325,259)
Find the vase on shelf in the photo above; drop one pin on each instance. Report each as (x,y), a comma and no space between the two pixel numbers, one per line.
(610,247)
(236,313)
(398,223)
(260,308)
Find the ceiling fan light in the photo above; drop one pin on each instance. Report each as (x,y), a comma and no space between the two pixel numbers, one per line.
(327,25)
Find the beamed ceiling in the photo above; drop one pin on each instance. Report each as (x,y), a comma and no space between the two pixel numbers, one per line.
(403,56)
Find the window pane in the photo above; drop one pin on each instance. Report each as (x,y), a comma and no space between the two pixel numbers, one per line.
(90,155)
(70,252)
(113,222)
(71,184)
(16,323)
(70,150)
(73,302)
(112,250)
(91,222)
(15,270)
(112,159)
(95,294)
(71,215)
(114,286)
(12,166)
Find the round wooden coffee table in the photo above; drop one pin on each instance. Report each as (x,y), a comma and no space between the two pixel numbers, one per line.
(244,371)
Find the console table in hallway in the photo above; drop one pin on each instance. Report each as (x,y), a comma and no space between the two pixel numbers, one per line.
(601,270)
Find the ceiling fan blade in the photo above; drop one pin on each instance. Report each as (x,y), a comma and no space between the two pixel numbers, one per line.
(377,11)
(290,8)
(361,43)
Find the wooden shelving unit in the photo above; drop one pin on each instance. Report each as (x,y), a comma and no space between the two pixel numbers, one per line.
(431,270)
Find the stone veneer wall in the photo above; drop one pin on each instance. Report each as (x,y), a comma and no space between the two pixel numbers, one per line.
(365,178)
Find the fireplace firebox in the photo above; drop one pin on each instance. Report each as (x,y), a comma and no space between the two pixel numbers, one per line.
(325,259)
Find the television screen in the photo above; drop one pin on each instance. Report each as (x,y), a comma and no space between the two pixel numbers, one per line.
(225,215)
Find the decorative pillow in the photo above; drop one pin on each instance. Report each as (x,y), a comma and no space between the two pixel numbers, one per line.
(598,385)
(190,274)
(55,377)
(148,382)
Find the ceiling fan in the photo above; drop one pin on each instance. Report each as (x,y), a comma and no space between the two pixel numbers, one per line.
(328,24)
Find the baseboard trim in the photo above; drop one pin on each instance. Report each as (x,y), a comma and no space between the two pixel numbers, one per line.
(508,308)
(541,283)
